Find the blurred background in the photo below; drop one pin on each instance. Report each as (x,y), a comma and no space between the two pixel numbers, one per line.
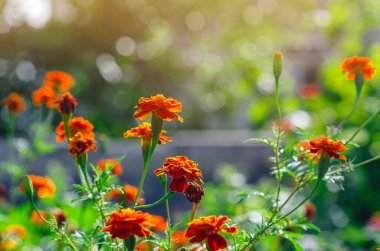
(216,58)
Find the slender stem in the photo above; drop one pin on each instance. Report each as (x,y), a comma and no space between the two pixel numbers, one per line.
(356,165)
(363,125)
(164,198)
(340,126)
(146,167)
(278,138)
(167,212)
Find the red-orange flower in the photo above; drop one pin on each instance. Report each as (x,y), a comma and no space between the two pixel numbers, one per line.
(79,145)
(144,131)
(14,102)
(36,219)
(310,211)
(45,95)
(127,222)
(117,169)
(76,124)
(66,103)
(43,186)
(180,168)
(159,223)
(59,80)
(165,108)
(60,216)
(358,65)
(208,228)
(130,194)
(179,239)
(324,145)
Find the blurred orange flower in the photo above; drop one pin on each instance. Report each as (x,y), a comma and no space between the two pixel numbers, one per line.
(14,102)
(310,211)
(147,246)
(144,131)
(127,222)
(179,239)
(324,145)
(117,169)
(180,168)
(59,80)
(79,145)
(16,230)
(36,219)
(165,108)
(130,194)
(303,148)
(208,228)
(66,103)
(159,223)
(43,186)
(76,124)
(45,95)
(355,65)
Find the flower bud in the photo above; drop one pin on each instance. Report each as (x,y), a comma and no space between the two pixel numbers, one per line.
(277,64)
(194,192)
(28,187)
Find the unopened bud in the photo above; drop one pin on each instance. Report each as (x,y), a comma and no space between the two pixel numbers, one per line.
(277,64)
(66,104)
(27,186)
(194,192)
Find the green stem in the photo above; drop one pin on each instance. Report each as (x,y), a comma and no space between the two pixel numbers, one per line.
(363,125)
(146,167)
(278,138)
(165,185)
(11,134)
(164,198)
(340,126)
(356,165)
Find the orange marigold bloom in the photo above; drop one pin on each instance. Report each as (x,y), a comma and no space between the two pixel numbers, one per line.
(117,169)
(180,168)
(66,103)
(179,238)
(324,145)
(159,223)
(59,80)
(43,186)
(14,102)
(144,131)
(76,124)
(208,228)
(36,219)
(79,145)
(15,230)
(127,222)
(355,65)
(165,108)
(130,194)
(45,95)
(147,246)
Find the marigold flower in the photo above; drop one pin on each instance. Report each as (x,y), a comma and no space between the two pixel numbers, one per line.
(117,169)
(43,186)
(59,80)
(310,211)
(130,194)
(159,223)
(127,222)
(194,192)
(179,239)
(165,108)
(76,124)
(7,244)
(79,145)
(15,103)
(208,228)
(358,65)
(15,230)
(144,131)
(66,103)
(180,168)
(45,95)
(36,219)
(324,145)
(60,216)
(147,246)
